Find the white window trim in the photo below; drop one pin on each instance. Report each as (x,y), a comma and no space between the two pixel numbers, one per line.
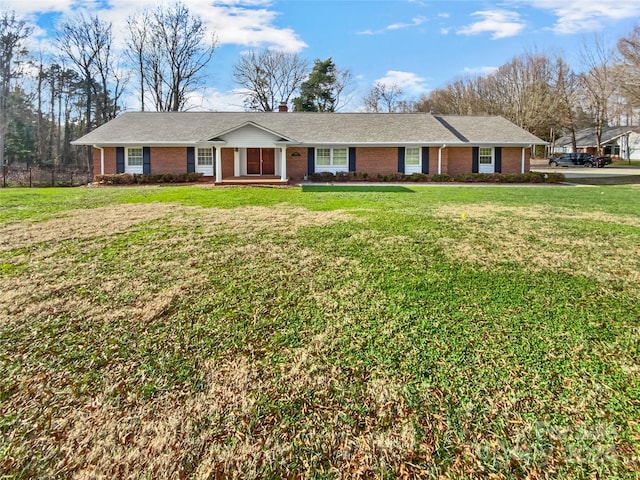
(409,169)
(206,170)
(133,168)
(487,167)
(331,167)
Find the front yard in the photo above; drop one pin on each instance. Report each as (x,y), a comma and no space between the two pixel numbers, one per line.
(330,332)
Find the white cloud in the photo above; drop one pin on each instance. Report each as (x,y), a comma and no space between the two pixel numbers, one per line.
(444,15)
(26,8)
(412,84)
(415,22)
(445,31)
(204,99)
(576,16)
(501,23)
(249,23)
(212,99)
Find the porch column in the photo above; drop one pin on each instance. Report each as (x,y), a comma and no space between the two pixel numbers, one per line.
(440,159)
(283,164)
(218,163)
(524,149)
(236,162)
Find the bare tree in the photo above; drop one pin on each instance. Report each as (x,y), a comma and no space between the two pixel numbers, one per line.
(269,77)
(629,78)
(566,87)
(87,42)
(110,81)
(170,48)
(139,29)
(13,32)
(529,90)
(383,96)
(597,83)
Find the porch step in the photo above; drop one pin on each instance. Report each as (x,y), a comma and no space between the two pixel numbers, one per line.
(253,180)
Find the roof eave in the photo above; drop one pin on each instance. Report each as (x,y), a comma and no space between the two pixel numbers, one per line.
(148,144)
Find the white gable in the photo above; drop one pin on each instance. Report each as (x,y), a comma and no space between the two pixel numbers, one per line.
(249,136)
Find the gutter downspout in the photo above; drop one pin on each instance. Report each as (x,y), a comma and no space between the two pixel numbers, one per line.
(101,158)
(440,158)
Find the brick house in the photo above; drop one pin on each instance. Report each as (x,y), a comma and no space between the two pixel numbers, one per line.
(286,146)
(617,142)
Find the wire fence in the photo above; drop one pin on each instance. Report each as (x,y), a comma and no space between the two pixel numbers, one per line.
(26,175)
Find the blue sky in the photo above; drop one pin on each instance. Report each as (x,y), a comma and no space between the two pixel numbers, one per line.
(416,44)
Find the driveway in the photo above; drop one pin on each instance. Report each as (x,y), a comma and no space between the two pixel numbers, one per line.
(618,172)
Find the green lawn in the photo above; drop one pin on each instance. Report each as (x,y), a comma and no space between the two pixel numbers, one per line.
(324,332)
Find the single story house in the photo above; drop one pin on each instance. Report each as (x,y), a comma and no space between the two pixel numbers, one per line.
(287,146)
(620,142)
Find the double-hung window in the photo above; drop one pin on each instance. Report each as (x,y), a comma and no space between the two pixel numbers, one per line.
(205,156)
(332,160)
(134,160)
(485,160)
(412,160)
(204,161)
(486,156)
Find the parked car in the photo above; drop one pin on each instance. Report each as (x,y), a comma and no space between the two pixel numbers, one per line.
(572,160)
(601,162)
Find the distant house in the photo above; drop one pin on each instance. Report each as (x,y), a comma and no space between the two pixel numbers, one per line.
(621,142)
(281,146)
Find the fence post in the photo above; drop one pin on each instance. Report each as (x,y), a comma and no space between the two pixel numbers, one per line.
(5,172)
(30,181)
(53,183)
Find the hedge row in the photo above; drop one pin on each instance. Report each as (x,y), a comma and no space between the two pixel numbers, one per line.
(530,177)
(140,178)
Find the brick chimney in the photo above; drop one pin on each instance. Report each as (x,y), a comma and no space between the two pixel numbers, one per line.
(283,107)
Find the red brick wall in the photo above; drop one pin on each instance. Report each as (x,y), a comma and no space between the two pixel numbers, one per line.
(377,160)
(460,161)
(372,160)
(296,166)
(227,162)
(433,160)
(109,161)
(168,159)
(512,160)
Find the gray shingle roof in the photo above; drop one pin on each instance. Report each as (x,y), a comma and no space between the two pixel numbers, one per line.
(586,137)
(187,128)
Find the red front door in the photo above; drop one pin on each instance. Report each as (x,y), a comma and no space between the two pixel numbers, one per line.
(268,161)
(261,161)
(253,161)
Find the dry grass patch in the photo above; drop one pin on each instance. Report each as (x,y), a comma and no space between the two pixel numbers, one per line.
(539,239)
(81,224)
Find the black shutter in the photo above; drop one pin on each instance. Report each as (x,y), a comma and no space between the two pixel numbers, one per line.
(146,160)
(475,160)
(498,157)
(401,155)
(311,160)
(352,159)
(425,160)
(119,159)
(191,159)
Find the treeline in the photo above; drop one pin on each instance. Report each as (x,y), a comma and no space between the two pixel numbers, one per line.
(541,93)
(46,101)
